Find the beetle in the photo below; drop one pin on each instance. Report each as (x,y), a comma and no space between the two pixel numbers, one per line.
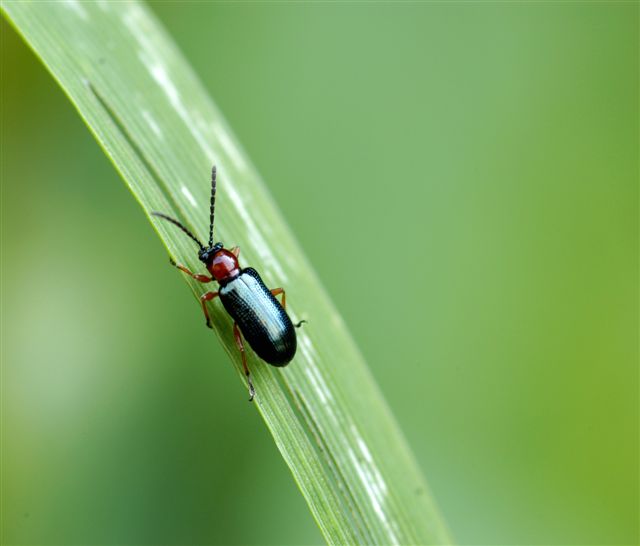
(255,310)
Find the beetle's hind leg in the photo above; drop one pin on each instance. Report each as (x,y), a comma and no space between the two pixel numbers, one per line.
(276,292)
(240,345)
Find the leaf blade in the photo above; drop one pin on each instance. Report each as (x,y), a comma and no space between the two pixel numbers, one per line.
(162,132)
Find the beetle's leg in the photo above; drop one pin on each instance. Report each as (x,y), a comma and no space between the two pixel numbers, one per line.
(207,296)
(236,251)
(240,344)
(277,291)
(201,278)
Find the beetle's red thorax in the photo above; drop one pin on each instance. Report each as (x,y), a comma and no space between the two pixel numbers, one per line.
(224,266)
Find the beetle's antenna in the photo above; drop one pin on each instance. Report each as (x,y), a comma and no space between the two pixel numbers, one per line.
(176,223)
(212,206)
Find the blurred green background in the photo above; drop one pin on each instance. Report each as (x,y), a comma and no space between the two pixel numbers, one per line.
(491,149)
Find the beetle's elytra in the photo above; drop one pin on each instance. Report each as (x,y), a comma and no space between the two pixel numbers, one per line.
(257,314)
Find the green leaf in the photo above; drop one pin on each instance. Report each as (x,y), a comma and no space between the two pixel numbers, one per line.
(157,124)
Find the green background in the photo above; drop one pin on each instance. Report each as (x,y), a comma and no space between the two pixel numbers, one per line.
(464,177)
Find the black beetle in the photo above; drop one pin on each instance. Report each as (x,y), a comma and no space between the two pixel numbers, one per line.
(257,314)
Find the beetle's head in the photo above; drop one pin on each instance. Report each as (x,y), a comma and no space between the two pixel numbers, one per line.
(220,262)
(206,254)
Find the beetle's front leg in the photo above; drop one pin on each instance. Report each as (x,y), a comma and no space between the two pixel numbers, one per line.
(201,278)
(207,296)
(240,345)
